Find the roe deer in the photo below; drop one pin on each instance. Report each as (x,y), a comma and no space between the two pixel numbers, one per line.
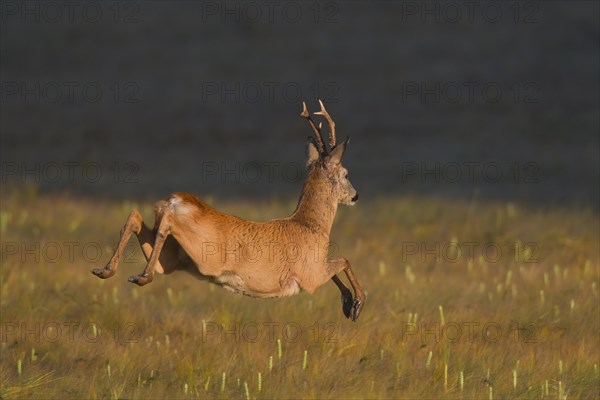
(276,258)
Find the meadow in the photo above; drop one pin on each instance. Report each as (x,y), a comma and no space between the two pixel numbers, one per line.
(465,299)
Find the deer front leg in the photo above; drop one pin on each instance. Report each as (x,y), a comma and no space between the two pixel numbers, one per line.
(342,264)
(359,295)
(164,229)
(346,295)
(135,225)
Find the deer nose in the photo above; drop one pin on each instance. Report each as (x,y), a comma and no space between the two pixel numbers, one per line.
(355,198)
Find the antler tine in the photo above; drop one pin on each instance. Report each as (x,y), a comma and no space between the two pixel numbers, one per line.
(331,124)
(317,131)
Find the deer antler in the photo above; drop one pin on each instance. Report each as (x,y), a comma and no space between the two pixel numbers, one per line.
(331,124)
(317,131)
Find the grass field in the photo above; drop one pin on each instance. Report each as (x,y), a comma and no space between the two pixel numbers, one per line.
(506,306)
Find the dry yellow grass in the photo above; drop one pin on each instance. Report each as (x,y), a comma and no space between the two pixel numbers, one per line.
(437,324)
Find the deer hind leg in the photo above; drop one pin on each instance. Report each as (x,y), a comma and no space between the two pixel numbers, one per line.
(351,307)
(164,216)
(135,225)
(170,258)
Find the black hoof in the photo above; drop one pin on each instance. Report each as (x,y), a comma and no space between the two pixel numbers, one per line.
(357,307)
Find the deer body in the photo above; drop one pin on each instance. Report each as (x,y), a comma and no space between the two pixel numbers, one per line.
(276,258)
(243,256)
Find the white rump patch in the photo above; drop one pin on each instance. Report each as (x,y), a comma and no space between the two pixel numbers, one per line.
(179,207)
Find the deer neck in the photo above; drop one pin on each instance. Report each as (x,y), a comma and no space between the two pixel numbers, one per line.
(316,207)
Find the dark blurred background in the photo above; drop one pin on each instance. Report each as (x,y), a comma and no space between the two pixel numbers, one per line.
(494,100)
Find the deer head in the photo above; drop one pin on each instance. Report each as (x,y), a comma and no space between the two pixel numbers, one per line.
(328,164)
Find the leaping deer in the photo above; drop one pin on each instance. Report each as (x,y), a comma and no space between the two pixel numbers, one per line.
(276,258)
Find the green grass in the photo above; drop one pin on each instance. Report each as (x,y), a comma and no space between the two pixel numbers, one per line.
(522,325)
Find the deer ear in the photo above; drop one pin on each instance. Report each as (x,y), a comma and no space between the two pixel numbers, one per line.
(338,152)
(312,154)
